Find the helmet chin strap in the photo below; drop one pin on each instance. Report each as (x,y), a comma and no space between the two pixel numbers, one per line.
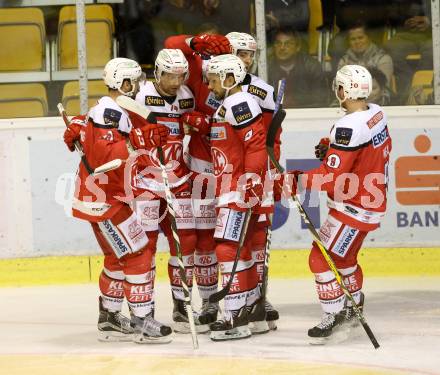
(341,101)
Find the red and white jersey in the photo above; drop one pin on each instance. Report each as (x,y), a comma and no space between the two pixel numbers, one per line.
(104,139)
(166,111)
(354,172)
(262,92)
(199,149)
(237,145)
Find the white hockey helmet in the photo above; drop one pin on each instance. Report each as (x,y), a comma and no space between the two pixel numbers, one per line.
(227,64)
(170,61)
(119,69)
(355,80)
(241,41)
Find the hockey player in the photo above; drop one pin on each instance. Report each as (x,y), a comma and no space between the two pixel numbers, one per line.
(245,47)
(102,200)
(197,50)
(354,174)
(168,98)
(237,138)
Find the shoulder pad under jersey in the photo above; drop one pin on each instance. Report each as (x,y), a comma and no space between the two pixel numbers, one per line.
(262,92)
(357,129)
(106,113)
(241,109)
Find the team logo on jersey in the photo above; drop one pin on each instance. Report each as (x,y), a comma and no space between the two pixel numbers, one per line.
(111,117)
(218,133)
(241,112)
(343,136)
(220,160)
(248,135)
(222,112)
(186,103)
(257,91)
(172,153)
(154,101)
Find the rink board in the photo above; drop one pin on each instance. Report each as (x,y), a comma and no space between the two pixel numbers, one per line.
(35,201)
(284,264)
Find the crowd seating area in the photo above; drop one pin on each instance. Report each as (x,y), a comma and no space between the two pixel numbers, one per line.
(38,69)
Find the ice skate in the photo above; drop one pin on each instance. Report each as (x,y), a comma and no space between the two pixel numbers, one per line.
(147,330)
(330,329)
(209,312)
(180,318)
(348,315)
(271,315)
(257,318)
(234,326)
(113,326)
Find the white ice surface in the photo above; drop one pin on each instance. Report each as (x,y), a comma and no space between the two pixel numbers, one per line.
(404,313)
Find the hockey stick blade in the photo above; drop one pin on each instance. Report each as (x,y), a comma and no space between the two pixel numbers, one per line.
(218,296)
(132,105)
(107,167)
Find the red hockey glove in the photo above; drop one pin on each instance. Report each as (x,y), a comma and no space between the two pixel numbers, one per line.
(321,148)
(151,135)
(155,135)
(212,45)
(197,121)
(72,133)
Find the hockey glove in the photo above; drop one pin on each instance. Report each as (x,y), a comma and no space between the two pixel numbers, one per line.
(148,136)
(321,148)
(211,45)
(197,121)
(72,133)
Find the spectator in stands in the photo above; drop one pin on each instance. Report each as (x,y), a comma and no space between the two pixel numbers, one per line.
(381,93)
(411,19)
(136,35)
(306,83)
(287,13)
(362,51)
(347,13)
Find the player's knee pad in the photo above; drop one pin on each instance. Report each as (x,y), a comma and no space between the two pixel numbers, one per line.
(138,263)
(317,262)
(226,251)
(205,241)
(259,235)
(187,238)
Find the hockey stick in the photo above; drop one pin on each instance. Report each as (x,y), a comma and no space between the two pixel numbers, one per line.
(113,164)
(132,105)
(276,123)
(218,296)
(77,145)
(278,105)
(172,216)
